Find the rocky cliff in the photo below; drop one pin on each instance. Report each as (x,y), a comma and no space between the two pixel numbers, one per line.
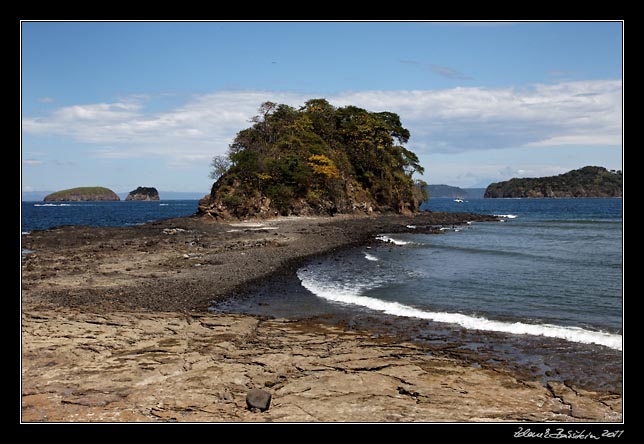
(589,181)
(82,194)
(143,193)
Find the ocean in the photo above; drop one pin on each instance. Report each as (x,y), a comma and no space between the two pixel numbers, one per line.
(541,291)
(44,215)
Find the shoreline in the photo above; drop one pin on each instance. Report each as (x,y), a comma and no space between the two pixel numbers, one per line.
(196,260)
(115,327)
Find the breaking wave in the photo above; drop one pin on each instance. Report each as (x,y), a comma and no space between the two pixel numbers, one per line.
(387,239)
(352,295)
(370,257)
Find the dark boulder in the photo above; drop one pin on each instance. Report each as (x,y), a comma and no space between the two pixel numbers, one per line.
(258,399)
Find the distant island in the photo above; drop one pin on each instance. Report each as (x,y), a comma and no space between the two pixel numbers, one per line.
(445,191)
(82,194)
(315,160)
(442,190)
(589,181)
(143,193)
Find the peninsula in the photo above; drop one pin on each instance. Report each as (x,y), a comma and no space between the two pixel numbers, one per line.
(82,194)
(115,328)
(589,181)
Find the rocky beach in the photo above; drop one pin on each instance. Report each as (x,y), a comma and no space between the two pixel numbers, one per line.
(116,327)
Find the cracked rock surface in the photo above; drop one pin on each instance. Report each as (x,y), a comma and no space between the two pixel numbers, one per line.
(199,367)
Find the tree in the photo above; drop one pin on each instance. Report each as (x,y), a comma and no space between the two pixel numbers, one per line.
(220,165)
(265,110)
(318,156)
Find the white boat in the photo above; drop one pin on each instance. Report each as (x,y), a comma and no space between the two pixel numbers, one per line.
(459,200)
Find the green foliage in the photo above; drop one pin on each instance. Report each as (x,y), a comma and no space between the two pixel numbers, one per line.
(281,195)
(147,191)
(232,200)
(589,181)
(421,190)
(310,154)
(89,191)
(83,193)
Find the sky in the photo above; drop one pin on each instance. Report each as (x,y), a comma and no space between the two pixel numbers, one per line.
(127,104)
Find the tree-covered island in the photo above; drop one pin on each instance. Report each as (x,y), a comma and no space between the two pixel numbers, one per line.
(589,181)
(315,160)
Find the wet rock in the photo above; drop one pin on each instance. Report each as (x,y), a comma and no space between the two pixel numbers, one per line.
(258,399)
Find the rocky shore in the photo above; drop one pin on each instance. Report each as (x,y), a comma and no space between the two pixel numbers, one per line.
(115,327)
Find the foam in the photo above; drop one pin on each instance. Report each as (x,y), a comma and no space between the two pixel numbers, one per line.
(52,205)
(507,216)
(383,238)
(346,295)
(370,257)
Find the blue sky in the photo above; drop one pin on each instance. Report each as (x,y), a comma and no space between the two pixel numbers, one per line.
(123,104)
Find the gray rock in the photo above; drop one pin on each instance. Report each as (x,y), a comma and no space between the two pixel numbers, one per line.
(258,399)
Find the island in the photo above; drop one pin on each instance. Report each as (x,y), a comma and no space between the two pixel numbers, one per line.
(317,160)
(82,194)
(589,181)
(441,190)
(143,193)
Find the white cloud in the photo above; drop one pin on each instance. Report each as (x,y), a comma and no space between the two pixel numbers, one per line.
(482,174)
(449,120)
(462,119)
(45,100)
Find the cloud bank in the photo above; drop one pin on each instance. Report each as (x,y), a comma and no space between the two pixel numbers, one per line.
(586,113)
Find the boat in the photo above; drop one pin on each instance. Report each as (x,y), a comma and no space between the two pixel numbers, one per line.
(459,200)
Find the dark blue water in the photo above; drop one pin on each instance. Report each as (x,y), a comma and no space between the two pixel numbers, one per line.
(537,209)
(42,215)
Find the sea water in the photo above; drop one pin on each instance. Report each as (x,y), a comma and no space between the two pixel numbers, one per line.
(44,215)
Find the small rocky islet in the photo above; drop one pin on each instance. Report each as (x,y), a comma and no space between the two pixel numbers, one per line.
(143,193)
(92,194)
